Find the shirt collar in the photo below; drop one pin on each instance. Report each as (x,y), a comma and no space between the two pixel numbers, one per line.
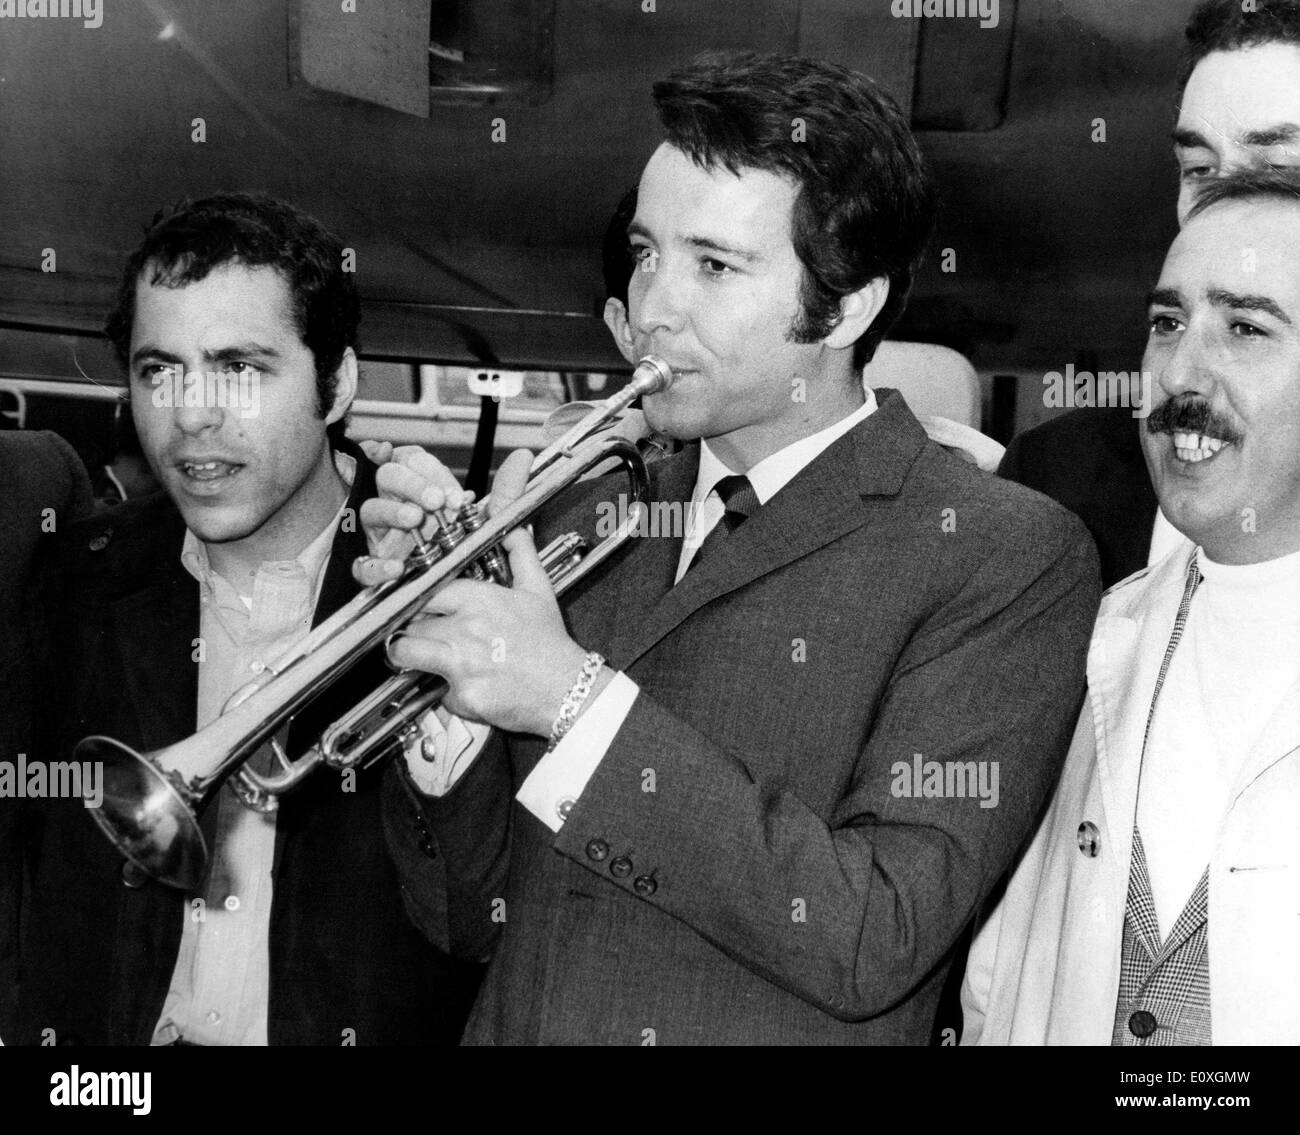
(777,469)
(312,559)
(1249,576)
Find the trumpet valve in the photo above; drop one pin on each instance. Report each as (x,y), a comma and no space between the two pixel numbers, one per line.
(494,563)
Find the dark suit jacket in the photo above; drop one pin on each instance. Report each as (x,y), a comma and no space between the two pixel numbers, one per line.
(743,867)
(98,954)
(38,471)
(1091,462)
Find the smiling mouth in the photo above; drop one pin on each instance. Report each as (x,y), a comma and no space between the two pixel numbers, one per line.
(1195,448)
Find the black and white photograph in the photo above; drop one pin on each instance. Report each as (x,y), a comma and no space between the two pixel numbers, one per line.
(650,522)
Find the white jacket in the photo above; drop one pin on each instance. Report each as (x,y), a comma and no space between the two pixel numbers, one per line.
(1044,967)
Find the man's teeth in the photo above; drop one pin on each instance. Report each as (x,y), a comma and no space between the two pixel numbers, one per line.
(208,470)
(1196,447)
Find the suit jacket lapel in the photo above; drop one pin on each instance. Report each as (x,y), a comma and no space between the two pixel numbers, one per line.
(645,576)
(337,588)
(819,505)
(1124,658)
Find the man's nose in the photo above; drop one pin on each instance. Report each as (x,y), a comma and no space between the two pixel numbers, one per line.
(1189,367)
(655,300)
(197,409)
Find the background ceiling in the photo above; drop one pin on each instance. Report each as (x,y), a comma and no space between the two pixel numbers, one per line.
(469,250)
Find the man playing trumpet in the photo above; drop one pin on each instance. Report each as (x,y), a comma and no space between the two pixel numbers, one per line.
(695,819)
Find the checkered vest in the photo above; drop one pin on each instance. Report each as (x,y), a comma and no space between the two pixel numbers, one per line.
(1164,987)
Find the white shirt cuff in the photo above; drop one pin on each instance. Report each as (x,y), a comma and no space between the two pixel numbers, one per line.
(443,750)
(558,779)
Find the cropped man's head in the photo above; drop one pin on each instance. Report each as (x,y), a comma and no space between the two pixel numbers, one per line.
(183,244)
(863,206)
(1240,104)
(1222,441)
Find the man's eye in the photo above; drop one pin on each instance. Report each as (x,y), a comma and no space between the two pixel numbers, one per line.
(1197,173)
(714,267)
(643,256)
(151,371)
(238,368)
(1163,324)
(1243,330)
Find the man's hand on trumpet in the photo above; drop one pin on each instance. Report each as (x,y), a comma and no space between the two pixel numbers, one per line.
(412,487)
(504,652)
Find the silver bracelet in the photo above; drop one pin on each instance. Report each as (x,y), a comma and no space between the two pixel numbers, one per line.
(574,699)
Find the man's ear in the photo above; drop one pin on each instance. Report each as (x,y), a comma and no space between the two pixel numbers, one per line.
(616,321)
(345,388)
(858,311)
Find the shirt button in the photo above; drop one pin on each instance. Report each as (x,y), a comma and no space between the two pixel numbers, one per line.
(232,902)
(564,807)
(213,1017)
(1142,1024)
(644,885)
(597,850)
(257,667)
(621,867)
(1089,839)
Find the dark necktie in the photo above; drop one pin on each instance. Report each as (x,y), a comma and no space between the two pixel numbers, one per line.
(739,502)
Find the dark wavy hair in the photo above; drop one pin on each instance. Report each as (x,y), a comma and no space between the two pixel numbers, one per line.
(187,241)
(865,204)
(615,253)
(1223,25)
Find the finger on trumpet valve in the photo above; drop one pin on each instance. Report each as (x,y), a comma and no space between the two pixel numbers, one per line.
(425,552)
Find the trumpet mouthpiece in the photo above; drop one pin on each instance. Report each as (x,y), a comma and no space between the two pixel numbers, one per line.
(652,375)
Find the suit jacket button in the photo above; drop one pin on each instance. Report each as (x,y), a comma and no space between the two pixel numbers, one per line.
(133,876)
(1089,839)
(621,867)
(1142,1024)
(100,542)
(597,850)
(644,885)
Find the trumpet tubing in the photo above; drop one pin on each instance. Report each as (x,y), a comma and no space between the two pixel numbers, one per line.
(150,800)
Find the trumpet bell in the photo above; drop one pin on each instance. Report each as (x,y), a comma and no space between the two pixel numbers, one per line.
(146,815)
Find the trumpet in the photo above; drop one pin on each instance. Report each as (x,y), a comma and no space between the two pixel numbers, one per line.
(150,800)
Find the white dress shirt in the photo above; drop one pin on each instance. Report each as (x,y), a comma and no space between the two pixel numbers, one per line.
(220,985)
